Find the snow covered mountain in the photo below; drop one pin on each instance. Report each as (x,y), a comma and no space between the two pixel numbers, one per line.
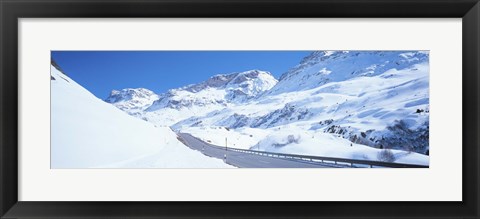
(323,67)
(219,89)
(218,92)
(86,132)
(132,101)
(352,104)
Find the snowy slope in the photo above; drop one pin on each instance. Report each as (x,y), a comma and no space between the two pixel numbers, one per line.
(322,67)
(87,133)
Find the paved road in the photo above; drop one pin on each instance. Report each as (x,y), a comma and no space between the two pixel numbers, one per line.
(240,159)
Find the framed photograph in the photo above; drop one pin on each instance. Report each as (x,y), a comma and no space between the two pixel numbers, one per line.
(364,109)
(255,109)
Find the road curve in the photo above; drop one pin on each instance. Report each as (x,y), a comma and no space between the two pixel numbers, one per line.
(244,160)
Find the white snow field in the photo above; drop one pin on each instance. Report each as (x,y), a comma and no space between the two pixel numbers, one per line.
(293,140)
(348,104)
(86,132)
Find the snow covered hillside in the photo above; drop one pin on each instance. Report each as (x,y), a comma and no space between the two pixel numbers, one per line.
(89,133)
(322,67)
(370,105)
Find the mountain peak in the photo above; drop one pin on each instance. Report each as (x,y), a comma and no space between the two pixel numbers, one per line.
(227,80)
(219,90)
(132,100)
(127,94)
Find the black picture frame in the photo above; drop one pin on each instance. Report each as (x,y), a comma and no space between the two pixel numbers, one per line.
(12,10)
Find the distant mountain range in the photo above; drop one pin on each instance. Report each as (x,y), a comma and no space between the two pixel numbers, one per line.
(375,98)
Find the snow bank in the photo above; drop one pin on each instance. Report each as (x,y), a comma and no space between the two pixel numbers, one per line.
(87,132)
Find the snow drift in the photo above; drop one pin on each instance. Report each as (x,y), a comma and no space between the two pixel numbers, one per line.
(86,132)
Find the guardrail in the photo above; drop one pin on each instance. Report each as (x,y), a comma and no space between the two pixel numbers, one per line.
(327,160)
(334,161)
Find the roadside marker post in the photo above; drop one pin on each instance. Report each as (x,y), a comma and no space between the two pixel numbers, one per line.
(226,149)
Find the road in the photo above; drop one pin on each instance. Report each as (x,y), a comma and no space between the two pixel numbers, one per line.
(240,159)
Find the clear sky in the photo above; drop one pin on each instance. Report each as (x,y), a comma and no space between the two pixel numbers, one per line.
(102,71)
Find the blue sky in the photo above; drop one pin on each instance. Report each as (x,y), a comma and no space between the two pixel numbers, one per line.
(102,71)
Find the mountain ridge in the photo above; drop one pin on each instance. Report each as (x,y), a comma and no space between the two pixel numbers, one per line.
(232,87)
